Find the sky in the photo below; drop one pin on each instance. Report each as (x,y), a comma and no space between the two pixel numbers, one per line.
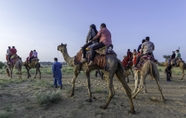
(44,24)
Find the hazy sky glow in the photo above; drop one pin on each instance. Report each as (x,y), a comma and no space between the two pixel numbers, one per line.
(44,24)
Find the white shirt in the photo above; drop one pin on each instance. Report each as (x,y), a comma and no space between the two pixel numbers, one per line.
(34,54)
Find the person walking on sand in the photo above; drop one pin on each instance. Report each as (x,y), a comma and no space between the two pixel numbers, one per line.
(57,74)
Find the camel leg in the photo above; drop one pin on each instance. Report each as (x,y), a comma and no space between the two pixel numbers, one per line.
(36,73)
(121,78)
(73,82)
(39,73)
(110,87)
(132,72)
(142,79)
(136,78)
(183,74)
(89,87)
(160,89)
(8,72)
(20,74)
(28,74)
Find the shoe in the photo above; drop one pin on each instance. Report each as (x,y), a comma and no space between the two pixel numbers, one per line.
(83,60)
(55,86)
(91,63)
(61,87)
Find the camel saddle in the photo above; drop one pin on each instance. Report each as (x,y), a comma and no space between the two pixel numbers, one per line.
(13,59)
(145,58)
(100,58)
(176,64)
(34,61)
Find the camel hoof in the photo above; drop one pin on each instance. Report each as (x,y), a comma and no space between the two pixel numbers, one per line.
(134,97)
(88,100)
(132,111)
(102,107)
(71,95)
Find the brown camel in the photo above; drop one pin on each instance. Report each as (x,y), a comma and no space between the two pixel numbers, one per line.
(17,64)
(34,64)
(182,66)
(149,67)
(114,67)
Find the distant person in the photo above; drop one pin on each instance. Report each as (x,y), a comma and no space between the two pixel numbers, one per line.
(168,72)
(129,55)
(91,34)
(178,56)
(8,53)
(135,55)
(28,59)
(139,47)
(34,54)
(172,56)
(13,51)
(57,74)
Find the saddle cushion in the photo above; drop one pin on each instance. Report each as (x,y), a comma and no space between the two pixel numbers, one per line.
(143,59)
(99,60)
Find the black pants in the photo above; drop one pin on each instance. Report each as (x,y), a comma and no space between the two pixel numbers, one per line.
(92,50)
(84,48)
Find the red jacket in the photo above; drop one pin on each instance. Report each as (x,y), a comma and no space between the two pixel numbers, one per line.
(13,51)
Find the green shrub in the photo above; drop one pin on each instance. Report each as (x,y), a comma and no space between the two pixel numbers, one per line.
(5,115)
(1,64)
(48,97)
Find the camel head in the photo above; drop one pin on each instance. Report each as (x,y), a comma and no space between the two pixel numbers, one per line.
(62,47)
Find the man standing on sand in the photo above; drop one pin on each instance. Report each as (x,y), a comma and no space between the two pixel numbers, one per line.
(57,75)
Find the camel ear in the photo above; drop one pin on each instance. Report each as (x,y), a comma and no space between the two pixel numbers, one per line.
(61,43)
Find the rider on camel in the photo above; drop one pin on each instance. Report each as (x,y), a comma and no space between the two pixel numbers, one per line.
(147,48)
(8,53)
(104,37)
(178,56)
(91,34)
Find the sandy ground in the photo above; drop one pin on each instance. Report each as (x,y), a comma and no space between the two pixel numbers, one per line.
(18,99)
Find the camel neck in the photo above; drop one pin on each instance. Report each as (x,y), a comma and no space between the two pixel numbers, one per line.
(69,60)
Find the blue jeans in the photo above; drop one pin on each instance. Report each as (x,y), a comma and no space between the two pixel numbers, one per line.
(93,52)
(58,80)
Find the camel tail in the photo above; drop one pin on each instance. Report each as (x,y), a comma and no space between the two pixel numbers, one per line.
(152,70)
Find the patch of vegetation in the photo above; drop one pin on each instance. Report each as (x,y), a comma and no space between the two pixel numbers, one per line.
(99,90)
(1,64)
(8,108)
(48,97)
(176,71)
(5,115)
(67,69)
(41,83)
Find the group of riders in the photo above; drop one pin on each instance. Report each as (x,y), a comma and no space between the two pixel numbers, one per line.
(98,39)
(102,38)
(12,54)
(146,48)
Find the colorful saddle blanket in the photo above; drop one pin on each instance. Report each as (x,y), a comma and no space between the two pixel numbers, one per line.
(143,59)
(100,58)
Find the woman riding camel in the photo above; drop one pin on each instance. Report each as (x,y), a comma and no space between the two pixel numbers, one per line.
(104,37)
(91,34)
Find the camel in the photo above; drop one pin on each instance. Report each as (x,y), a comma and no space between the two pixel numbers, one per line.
(149,67)
(17,64)
(181,64)
(34,64)
(114,67)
